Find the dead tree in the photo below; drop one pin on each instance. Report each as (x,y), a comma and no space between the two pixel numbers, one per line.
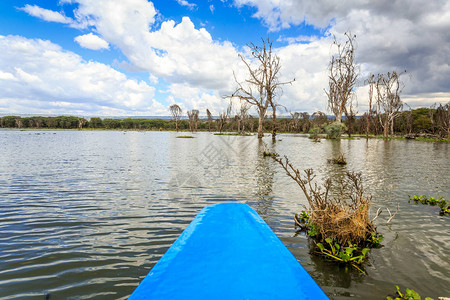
(193,119)
(237,120)
(342,76)
(261,88)
(431,115)
(388,88)
(252,123)
(176,111)
(81,123)
(19,123)
(443,120)
(223,118)
(319,118)
(409,120)
(38,122)
(306,122)
(295,122)
(371,81)
(243,115)
(196,119)
(350,115)
(210,119)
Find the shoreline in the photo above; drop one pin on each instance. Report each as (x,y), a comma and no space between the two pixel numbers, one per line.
(233,133)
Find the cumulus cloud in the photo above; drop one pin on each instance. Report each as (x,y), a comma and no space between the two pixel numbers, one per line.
(196,98)
(179,52)
(48,79)
(91,41)
(46,14)
(396,35)
(307,64)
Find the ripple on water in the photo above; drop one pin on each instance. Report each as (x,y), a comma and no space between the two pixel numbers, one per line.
(86,215)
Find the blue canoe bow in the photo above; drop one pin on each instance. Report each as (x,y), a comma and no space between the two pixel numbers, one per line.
(228,252)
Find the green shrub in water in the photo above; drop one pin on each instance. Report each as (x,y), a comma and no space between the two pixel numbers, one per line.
(314,133)
(407,295)
(334,130)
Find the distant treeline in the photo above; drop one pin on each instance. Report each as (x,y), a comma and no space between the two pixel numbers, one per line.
(421,120)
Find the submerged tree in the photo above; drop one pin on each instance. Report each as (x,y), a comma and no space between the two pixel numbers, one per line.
(261,88)
(318,119)
(443,120)
(388,87)
(350,115)
(371,81)
(295,122)
(223,118)
(193,119)
(306,122)
(176,111)
(342,76)
(243,115)
(210,119)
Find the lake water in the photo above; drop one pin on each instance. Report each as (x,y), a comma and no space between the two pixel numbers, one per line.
(86,214)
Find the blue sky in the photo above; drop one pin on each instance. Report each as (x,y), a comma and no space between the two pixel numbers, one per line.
(137,57)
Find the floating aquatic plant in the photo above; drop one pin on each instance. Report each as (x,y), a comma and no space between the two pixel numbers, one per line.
(440,201)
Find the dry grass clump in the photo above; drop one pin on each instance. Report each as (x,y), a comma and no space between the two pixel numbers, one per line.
(340,160)
(338,209)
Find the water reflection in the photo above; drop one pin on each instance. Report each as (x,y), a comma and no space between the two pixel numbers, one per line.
(264,180)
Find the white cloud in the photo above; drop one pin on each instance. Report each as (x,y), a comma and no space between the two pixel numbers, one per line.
(191,6)
(51,80)
(212,8)
(396,35)
(27,77)
(91,41)
(196,98)
(178,52)
(307,64)
(153,79)
(298,39)
(46,14)
(7,76)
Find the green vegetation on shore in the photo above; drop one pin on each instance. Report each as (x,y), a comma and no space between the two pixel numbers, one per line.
(420,125)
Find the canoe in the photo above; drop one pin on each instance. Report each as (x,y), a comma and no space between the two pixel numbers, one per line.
(228,252)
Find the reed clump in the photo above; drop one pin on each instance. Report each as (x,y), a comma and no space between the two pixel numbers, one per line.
(338,216)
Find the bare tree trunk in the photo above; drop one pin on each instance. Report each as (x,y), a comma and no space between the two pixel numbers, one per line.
(260,125)
(386,127)
(371,84)
(392,127)
(176,111)
(274,123)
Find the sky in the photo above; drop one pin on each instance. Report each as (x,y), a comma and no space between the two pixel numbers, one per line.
(138,57)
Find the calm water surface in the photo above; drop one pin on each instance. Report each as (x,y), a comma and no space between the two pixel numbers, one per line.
(86,214)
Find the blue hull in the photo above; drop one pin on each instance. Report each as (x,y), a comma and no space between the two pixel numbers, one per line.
(228,252)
